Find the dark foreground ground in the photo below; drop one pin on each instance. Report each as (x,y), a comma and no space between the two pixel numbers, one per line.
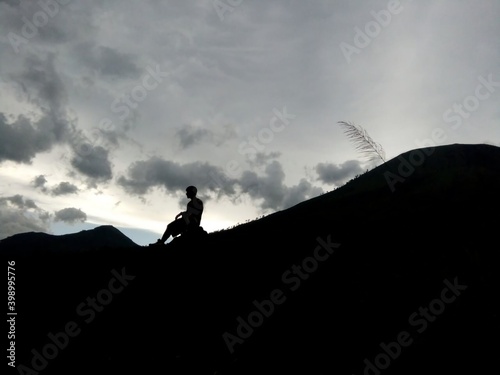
(363,280)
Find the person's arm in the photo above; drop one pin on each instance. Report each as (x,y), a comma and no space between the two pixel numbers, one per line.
(185,215)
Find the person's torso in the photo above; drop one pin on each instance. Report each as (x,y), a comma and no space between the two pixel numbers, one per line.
(195,208)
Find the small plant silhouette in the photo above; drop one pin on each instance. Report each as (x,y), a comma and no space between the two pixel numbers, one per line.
(363,142)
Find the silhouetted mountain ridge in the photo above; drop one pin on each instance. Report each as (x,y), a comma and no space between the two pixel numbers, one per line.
(457,177)
(104,236)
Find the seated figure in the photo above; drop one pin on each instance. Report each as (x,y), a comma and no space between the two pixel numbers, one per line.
(186,221)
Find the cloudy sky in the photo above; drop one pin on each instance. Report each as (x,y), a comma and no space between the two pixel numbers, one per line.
(109,109)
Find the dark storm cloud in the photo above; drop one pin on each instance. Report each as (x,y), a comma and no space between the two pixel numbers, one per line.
(335,174)
(94,163)
(70,215)
(64,188)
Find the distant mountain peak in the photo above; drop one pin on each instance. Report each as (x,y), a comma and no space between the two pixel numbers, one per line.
(100,237)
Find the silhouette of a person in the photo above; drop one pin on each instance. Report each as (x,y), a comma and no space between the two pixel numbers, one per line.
(187,220)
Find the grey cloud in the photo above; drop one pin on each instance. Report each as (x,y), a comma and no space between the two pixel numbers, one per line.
(112,135)
(70,215)
(18,201)
(42,84)
(19,215)
(107,61)
(157,172)
(189,135)
(299,193)
(14,222)
(39,181)
(21,140)
(271,189)
(94,163)
(261,158)
(19,19)
(115,63)
(44,87)
(335,174)
(64,188)
(227,132)
(142,176)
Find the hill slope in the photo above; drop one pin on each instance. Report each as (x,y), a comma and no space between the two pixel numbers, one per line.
(361,277)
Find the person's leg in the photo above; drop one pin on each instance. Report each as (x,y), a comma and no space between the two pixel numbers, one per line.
(166,234)
(173,229)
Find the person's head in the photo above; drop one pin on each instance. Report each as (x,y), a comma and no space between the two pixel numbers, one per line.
(191,191)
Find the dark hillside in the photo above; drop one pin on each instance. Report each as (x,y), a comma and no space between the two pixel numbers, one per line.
(327,285)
